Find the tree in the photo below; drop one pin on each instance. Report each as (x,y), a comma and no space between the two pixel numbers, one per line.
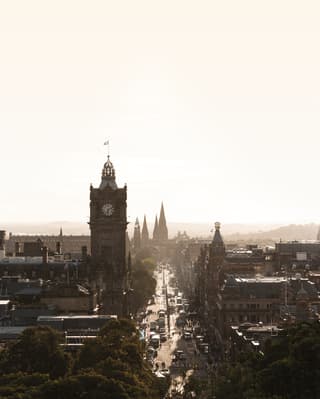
(36,351)
(85,386)
(290,368)
(143,283)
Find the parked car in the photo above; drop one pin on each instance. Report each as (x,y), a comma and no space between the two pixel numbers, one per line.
(180,355)
(163,337)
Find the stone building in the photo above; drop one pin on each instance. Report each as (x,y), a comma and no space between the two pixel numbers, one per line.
(108,225)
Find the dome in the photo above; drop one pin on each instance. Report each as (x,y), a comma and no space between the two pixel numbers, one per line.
(108,169)
(108,175)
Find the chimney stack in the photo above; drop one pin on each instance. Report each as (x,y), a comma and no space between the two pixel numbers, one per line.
(84,252)
(45,255)
(2,244)
(58,247)
(17,248)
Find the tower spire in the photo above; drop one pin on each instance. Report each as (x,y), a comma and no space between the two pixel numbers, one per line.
(163,229)
(144,233)
(137,236)
(156,229)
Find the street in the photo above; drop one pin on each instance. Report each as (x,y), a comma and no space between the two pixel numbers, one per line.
(177,355)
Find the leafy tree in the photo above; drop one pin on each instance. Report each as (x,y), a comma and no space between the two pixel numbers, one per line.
(110,367)
(143,283)
(84,386)
(36,351)
(290,369)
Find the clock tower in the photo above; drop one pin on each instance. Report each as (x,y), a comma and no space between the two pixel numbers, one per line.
(108,225)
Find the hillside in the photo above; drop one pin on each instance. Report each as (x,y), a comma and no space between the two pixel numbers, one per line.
(231,232)
(285,233)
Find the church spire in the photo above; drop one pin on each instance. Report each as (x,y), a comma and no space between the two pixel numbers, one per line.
(137,236)
(156,229)
(163,229)
(217,239)
(144,233)
(216,258)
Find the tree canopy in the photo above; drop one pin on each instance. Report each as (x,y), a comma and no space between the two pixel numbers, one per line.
(289,369)
(110,366)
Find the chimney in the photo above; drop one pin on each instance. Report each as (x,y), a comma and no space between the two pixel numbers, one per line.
(2,244)
(58,247)
(17,248)
(45,255)
(84,252)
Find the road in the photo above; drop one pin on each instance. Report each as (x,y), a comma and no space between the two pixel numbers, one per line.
(193,362)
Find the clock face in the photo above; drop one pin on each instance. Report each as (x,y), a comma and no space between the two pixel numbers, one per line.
(107,209)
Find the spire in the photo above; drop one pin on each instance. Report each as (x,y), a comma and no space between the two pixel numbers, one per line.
(216,259)
(163,230)
(108,177)
(156,229)
(129,271)
(128,245)
(217,248)
(217,239)
(60,232)
(144,233)
(137,236)
(318,236)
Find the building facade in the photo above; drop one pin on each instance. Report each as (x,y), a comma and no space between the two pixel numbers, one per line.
(108,225)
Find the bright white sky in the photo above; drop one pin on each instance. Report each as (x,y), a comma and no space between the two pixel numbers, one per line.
(211,106)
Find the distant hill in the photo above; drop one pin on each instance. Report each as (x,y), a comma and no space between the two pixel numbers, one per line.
(231,232)
(46,228)
(285,233)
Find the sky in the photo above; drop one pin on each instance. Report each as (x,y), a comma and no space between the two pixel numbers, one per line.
(210,106)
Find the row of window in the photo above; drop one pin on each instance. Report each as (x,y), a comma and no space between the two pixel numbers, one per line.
(249,306)
(247,318)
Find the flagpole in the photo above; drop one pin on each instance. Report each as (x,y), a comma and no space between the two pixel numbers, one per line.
(107,143)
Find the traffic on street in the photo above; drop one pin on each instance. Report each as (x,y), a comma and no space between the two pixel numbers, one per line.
(175,347)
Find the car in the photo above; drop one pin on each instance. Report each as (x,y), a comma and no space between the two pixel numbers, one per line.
(153,326)
(180,355)
(199,339)
(163,337)
(155,341)
(204,348)
(165,371)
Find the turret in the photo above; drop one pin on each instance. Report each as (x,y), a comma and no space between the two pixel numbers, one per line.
(137,236)
(216,258)
(163,229)
(144,233)
(156,230)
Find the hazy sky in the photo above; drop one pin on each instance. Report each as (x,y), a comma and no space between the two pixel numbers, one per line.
(211,106)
